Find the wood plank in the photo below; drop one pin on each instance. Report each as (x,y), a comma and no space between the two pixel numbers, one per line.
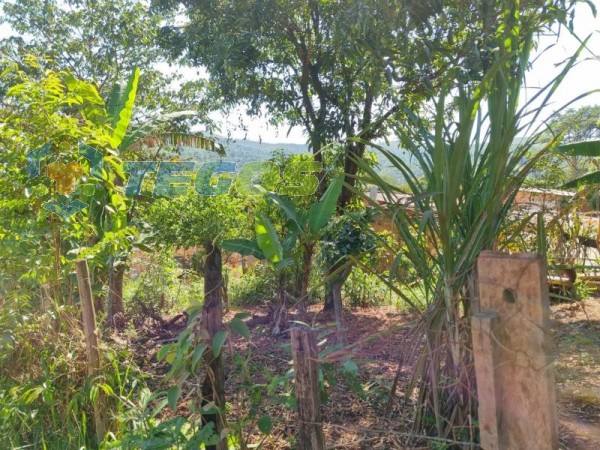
(484,327)
(515,289)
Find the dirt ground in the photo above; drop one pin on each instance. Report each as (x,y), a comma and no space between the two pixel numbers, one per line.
(380,342)
(576,330)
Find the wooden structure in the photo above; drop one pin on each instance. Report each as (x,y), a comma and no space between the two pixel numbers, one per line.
(511,345)
(304,352)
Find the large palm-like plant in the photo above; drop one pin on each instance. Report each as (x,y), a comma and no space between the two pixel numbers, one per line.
(470,167)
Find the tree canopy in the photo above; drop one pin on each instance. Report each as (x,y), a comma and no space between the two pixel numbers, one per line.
(101,41)
(333,68)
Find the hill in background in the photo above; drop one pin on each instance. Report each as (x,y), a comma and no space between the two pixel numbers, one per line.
(245,151)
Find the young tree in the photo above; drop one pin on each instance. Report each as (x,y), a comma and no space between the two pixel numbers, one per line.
(59,126)
(347,238)
(196,220)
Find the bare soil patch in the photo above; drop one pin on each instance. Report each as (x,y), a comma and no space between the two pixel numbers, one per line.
(382,345)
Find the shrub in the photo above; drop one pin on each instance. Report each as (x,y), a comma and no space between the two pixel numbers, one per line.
(45,393)
(156,287)
(257,286)
(365,289)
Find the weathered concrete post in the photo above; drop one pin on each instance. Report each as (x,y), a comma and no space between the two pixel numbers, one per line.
(511,345)
(306,370)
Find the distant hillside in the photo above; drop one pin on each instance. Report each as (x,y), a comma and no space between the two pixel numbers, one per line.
(244,151)
(387,170)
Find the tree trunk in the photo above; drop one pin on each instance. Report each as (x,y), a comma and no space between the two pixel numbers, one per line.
(115,292)
(304,278)
(279,317)
(45,298)
(328,304)
(336,290)
(213,388)
(331,273)
(91,342)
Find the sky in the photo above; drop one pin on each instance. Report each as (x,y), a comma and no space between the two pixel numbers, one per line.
(552,50)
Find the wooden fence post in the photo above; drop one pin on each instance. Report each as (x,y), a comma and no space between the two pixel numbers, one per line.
(484,327)
(91,344)
(306,370)
(511,346)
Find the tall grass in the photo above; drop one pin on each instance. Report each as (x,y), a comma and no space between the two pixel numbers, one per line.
(472,167)
(46,395)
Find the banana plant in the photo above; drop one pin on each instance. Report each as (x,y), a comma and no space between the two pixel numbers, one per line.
(304,230)
(589,149)
(110,210)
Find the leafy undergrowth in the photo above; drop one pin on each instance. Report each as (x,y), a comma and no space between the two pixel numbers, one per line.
(357,412)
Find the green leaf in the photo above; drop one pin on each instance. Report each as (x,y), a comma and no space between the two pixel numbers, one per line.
(244,247)
(218,341)
(164,350)
(106,388)
(197,355)
(288,207)
(289,242)
(238,326)
(267,239)
(286,262)
(350,367)
(586,148)
(92,104)
(120,108)
(243,315)
(265,425)
(590,178)
(173,395)
(159,407)
(319,213)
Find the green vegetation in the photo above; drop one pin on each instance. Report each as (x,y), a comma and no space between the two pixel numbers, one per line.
(418,146)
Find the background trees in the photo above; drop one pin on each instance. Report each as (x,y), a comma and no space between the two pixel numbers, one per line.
(101,41)
(557,168)
(333,68)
